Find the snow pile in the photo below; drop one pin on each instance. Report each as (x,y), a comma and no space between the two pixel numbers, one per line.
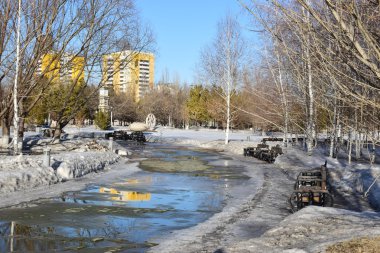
(93,146)
(73,166)
(312,229)
(24,172)
(80,158)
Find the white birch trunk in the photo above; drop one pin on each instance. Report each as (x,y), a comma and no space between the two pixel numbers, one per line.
(5,133)
(228,120)
(228,101)
(357,137)
(229,68)
(310,131)
(15,101)
(310,120)
(349,146)
(334,132)
(357,146)
(284,103)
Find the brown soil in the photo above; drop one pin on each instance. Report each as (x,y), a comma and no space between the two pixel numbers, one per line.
(360,245)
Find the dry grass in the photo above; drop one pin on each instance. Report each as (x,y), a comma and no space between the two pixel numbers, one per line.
(360,245)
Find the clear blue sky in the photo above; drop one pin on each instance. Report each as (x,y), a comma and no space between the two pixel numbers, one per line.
(182,29)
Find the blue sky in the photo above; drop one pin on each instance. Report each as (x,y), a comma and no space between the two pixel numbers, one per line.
(182,28)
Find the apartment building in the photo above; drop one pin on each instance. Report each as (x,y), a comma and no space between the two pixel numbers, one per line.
(129,72)
(61,67)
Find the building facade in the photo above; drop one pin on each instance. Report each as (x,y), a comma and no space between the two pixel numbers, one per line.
(129,72)
(61,67)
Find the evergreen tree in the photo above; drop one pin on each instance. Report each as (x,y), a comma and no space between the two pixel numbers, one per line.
(197,104)
(102,120)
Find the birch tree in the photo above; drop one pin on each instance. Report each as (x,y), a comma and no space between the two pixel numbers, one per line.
(222,63)
(87,29)
(333,51)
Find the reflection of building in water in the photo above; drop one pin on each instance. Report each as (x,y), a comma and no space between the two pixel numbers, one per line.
(143,180)
(132,181)
(126,195)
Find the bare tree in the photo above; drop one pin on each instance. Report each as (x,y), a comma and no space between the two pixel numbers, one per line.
(84,29)
(222,62)
(331,52)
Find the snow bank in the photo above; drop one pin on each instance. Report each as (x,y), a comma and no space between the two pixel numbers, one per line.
(83,163)
(24,172)
(312,229)
(68,160)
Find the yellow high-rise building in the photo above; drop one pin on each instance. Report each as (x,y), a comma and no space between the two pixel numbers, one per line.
(129,72)
(64,68)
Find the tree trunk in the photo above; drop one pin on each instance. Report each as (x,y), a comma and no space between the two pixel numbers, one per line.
(357,146)
(15,87)
(286,109)
(349,146)
(21,126)
(310,130)
(21,134)
(332,143)
(357,137)
(372,153)
(228,98)
(282,92)
(228,120)
(333,138)
(58,131)
(6,130)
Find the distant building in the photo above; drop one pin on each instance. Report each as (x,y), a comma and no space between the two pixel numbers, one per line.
(169,87)
(129,72)
(61,67)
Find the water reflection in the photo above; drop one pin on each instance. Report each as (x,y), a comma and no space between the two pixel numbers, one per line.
(15,237)
(126,195)
(136,181)
(127,214)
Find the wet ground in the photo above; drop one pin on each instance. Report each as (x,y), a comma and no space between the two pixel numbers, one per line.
(177,188)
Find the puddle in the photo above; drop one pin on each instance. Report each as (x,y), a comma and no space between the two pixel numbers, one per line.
(193,162)
(177,188)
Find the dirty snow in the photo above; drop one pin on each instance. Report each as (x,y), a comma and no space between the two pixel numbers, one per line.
(257,219)
(28,171)
(311,230)
(72,158)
